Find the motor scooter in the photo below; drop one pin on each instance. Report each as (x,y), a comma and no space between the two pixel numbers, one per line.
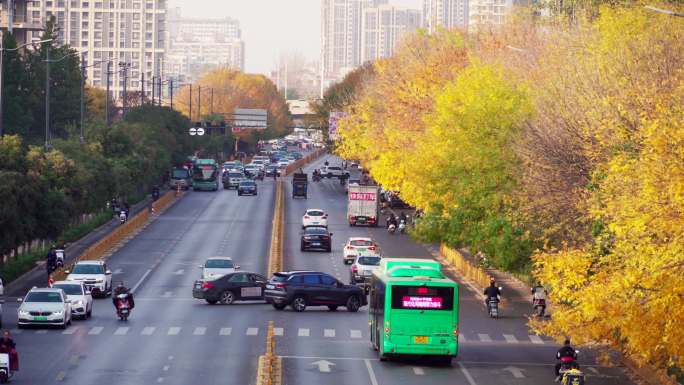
(123,307)
(402,226)
(567,363)
(59,262)
(122,216)
(539,305)
(493,305)
(5,372)
(391,228)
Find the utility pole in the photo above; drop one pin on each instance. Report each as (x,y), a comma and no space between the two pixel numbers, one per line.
(171,91)
(83,75)
(159,94)
(47,96)
(142,95)
(125,83)
(153,88)
(191,102)
(2,60)
(109,73)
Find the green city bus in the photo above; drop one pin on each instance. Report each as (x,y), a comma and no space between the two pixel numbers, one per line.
(205,175)
(413,310)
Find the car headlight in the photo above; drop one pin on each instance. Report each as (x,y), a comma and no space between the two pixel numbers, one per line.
(99,280)
(58,312)
(23,313)
(78,303)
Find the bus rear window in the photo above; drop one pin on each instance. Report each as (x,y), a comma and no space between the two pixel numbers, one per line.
(422,298)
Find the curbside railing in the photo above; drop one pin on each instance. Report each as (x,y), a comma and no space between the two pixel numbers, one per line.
(302,162)
(269,369)
(275,261)
(469,270)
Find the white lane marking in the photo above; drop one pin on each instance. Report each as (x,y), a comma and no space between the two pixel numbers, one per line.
(225,331)
(179,272)
(117,271)
(510,338)
(170,358)
(355,333)
(418,371)
(173,331)
(166,368)
(60,376)
(121,331)
(160,380)
(536,339)
(329,333)
(371,373)
(167,294)
(42,331)
(95,330)
(303,332)
(140,281)
(485,337)
(199,331)
(148,330)
(466,374)
(71,330)
(252,331)
(278,332)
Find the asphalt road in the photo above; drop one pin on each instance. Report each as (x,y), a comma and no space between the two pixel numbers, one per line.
(172,338)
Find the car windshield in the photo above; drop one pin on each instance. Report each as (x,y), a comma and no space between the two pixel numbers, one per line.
(88,269)
(219,264)
(247,183)
(316,230)
(70,289)
(361,243)
(180,174)
(43,296)
(371,261)
(315,213)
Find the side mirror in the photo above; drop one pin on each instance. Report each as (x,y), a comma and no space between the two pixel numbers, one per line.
(577,351)
(200,266)
(331,234)
(20,300)
(237,267)
(108,272)
(67,271)
(88,292)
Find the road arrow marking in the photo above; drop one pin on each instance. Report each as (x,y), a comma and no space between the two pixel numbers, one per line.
(516,372)
(418,371)
(593,370)
(323,365)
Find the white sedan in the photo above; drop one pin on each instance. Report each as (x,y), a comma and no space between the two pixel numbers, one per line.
(79,296)
(358,245)
(217,267)
(314,217)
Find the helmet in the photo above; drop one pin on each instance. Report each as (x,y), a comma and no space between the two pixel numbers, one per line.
(120,284)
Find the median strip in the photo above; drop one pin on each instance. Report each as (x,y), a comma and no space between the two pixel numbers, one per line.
(269,369)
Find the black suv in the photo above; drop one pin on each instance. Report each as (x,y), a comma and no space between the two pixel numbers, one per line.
(300,289)
(316,237)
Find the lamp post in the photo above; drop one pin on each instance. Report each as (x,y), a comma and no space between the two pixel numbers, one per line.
(2,60)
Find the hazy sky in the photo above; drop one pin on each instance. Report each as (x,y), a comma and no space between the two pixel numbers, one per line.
(270,26)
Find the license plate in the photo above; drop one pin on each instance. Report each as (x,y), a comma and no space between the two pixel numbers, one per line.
(367,272)
(361,219)
(316,244)
(270,286)
(40,318)
(420,339)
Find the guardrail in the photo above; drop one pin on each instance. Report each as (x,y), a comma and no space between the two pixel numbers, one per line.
(302,162)
(99,249)
(275,260)
(468,269)
(269,369)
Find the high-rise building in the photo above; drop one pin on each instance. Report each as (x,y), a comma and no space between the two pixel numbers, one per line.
(14,18)
(492,12)
(341,36)
(198,45)
(127,35)
(383,27)
(445,14)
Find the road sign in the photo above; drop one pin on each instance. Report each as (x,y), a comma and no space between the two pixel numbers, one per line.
(193,131)
(249,118)
(323,365)
(200,131)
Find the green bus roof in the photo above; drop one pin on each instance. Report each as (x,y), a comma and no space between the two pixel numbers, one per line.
(387,264)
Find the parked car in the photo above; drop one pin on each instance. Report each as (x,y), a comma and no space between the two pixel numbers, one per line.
(44,306)
(80,297)
(216,267)
(314,217)
(363,267)
(300,289)
(316,237)
(239,286)
(247,187)
(357,245)
(94,274)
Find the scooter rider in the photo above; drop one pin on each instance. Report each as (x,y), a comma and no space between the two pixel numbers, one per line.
(403,217)
(391,220)
(491,292)
(565,352)
(573,376)
(7,346)
(51,264)
(121,289)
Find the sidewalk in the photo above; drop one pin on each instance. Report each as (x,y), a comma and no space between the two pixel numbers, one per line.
(38,275)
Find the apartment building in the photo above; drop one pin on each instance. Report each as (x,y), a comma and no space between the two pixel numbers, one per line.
(446,14)
(488,12)
(383,27)
(129,36)
(15,19)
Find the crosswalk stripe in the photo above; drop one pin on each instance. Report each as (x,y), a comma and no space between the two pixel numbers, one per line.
(71,330)
(536,339)
(355,333)
(148,330)
(199,331)
(173,331)
(329,333)
(96,330)
(121,330)
(252,331)
(485,337)
(510,338)
(225,331)
(303,332)
(42,331)
(278,331)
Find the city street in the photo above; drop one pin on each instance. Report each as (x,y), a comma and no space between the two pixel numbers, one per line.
(175,339)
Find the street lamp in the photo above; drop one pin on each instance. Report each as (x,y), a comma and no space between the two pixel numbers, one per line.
(2,60)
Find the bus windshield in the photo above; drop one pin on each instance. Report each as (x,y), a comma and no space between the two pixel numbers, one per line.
(422,297)
(180,173)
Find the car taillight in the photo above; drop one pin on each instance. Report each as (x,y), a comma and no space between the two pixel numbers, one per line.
(306,217)
(325,216)
(371,248)
(350,248)
(355,269)
(279,285)
(352,218)
(207,285)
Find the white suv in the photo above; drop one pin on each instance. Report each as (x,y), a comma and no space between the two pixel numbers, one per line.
(334,172)
(358,246)
(314,217)
(94,274)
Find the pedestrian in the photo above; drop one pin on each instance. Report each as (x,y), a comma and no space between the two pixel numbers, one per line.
(51,264)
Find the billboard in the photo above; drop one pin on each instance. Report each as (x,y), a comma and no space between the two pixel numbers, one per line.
(249,119)
(333,121)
